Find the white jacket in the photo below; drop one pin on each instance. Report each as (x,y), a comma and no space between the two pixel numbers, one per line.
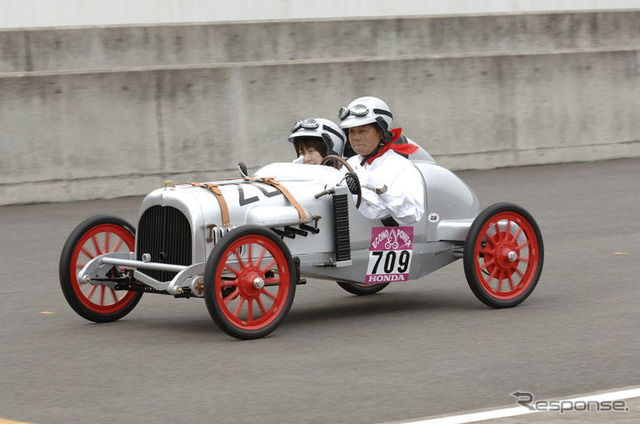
(404,198)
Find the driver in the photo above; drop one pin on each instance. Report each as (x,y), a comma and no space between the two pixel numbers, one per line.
(315,138)
(392,190)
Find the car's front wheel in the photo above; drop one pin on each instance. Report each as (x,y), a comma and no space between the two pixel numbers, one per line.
(249,283)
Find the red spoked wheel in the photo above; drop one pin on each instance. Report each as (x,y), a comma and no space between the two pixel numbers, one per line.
(94,237)
(503,255)
(250,281)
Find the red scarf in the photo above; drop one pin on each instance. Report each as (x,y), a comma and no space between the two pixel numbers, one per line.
(403,149)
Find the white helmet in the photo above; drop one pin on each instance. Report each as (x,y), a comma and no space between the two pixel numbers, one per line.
(367,110)
(327,131)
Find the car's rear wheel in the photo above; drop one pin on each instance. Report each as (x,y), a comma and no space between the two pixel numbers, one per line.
(93,237)
(250,281)
(360,289)
(503,255)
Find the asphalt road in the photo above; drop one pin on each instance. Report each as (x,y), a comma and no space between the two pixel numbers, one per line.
(416,349)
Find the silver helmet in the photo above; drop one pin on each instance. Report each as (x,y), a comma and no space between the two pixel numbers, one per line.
(327,131)
(367,110)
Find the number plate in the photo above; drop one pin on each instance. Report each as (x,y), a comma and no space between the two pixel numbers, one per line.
(389,254)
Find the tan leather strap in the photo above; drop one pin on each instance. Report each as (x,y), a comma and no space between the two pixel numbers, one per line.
(224,209)
(273,183)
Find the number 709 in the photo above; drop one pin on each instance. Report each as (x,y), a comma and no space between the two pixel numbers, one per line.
(390,261)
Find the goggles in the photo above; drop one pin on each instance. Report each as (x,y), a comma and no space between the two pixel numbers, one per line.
(356,110)
(307,124)
(360,110)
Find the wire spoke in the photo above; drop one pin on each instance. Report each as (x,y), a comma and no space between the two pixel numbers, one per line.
(511,282)
(101,295)
(268,294)
(107,242)
(249,253)
(261,306)
(515,237)
(229,283)
(275,281)
(117,245)
(93,289)
(235,252)
(231,297)
(523,245)
(83,250)
(492,274)
(487,252)
(113,293)
(268,267)
(236,312)
(95,244)
(261,257)
(226,266)
(486,264)
(250,310)
(490,240)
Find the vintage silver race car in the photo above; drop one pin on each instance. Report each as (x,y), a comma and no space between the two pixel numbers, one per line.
(244,245)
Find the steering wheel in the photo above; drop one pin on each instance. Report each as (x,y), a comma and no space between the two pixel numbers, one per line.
(353,183)
(337,159)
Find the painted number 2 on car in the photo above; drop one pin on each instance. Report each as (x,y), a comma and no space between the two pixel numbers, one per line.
(389,254)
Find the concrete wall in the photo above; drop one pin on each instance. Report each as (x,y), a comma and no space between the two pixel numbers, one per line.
(132,46)
(548,88)
(48,13)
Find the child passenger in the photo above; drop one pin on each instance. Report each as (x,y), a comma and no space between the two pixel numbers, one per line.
(315,138)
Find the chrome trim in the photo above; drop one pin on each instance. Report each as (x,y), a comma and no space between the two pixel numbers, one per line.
(144,265)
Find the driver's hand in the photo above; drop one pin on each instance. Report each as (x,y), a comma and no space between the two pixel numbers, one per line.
(367,179)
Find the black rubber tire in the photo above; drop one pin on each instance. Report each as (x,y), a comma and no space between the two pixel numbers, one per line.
(69,284)
(511,213)
(214,294)
(362,289)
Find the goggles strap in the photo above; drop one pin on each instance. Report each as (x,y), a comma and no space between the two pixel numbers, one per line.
(383,112)
(332,131)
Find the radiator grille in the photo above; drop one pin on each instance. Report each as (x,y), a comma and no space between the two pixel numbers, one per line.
(341,227)
(164,233)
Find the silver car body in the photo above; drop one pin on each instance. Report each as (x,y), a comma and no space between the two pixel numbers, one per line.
(450,208)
